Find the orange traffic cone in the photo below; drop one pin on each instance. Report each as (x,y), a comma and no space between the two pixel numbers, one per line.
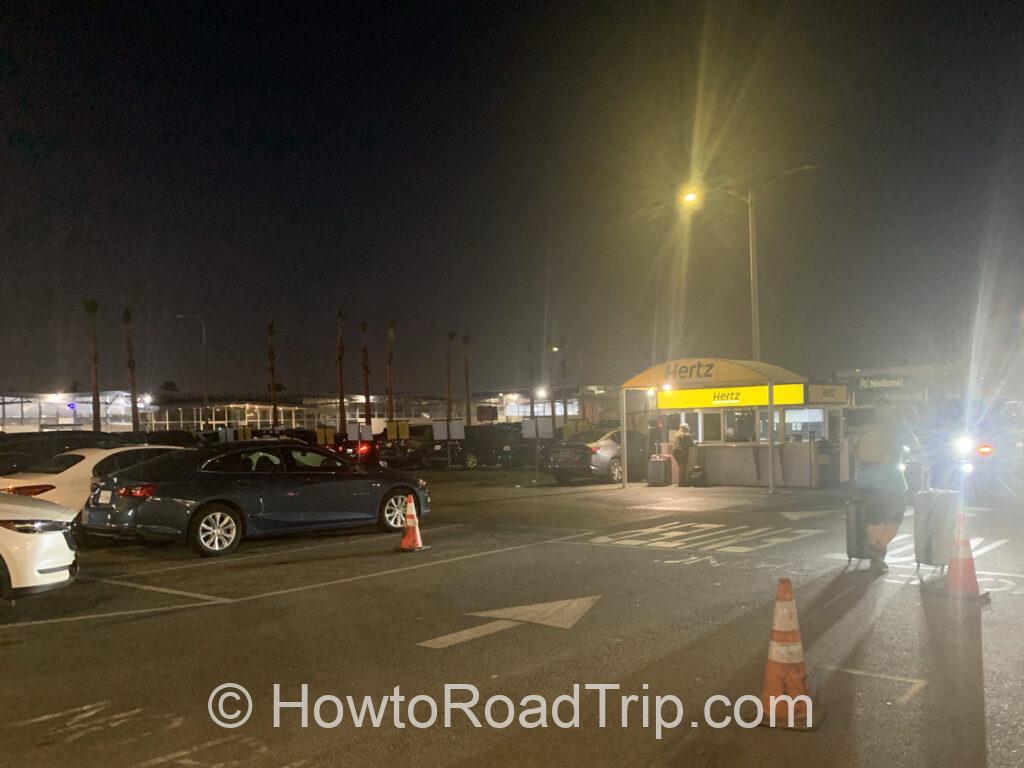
(961,578)
(411,541)
(785,696)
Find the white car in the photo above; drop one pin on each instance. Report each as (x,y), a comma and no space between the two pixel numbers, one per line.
(37,550)
(66,479)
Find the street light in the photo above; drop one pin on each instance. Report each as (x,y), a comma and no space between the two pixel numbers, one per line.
(202,325)
(691,195)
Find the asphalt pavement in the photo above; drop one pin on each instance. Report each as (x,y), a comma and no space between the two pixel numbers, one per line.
(528,589)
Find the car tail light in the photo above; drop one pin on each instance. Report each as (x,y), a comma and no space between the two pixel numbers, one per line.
(136,491)
(364,447)
(985,449)
(28,490)
(594,448)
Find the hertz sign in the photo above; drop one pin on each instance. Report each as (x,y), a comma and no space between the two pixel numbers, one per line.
(739,397)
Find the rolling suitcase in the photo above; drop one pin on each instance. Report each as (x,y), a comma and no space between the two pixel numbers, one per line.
(659,471)
(856,532)
(935,515)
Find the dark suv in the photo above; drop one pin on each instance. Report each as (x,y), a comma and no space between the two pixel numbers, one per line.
(411,452)
(494,444)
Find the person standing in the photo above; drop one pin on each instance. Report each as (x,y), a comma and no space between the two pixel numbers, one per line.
(879,480)
(681,446)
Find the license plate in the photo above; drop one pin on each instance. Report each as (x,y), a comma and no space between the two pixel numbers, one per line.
(105,497)
(437,447)
(506,447)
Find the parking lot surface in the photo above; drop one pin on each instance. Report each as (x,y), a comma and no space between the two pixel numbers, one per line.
(528,589)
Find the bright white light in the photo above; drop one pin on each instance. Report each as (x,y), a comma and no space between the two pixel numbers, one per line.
(903,467)
(966,467)
(147,399)
(666,386)
(963,445)
(542,392)
(651,390)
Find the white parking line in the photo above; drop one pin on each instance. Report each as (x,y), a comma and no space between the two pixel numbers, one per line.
(351,539)
(293,590)
(166,590)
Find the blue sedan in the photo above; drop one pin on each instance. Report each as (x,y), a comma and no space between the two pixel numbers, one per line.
(216,496)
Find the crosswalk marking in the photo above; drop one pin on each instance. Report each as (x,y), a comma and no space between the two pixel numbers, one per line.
(706,537)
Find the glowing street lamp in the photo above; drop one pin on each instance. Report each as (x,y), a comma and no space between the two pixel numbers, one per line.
(691,195)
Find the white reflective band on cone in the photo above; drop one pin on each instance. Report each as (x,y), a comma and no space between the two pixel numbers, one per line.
(784,619)
(786,653)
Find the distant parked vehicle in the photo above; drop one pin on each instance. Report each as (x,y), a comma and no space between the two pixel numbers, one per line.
(37,549)
(494,444)
(410,452)
(67,478)
(20,450)
(215,496)
(597,454)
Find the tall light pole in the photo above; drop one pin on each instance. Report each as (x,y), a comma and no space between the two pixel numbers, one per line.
(202,326)
(692,195)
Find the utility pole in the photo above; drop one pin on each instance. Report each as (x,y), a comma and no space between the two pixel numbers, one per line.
(465,373)
(126,319)
(92,309)
(565,390)
(272,383)
(529,357)
(448,379)
(340,361)
(755,311)
(390,372)
(367,419)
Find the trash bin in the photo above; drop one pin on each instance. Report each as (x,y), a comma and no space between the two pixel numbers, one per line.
(935,515)
(659,471)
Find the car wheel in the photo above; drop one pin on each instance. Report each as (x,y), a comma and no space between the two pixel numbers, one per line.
(392,510)
(562,478)
(470,461)
(615,471)
(215,530)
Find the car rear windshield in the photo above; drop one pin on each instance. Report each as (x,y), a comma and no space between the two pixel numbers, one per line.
(56,464)
(586,436)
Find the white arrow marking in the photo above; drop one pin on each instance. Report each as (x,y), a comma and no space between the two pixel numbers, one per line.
(562,614)
(795,516)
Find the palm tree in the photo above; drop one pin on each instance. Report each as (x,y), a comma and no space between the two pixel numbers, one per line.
(339,348)
(465,372)
(366,375)
(92,309)
(272,386)
(126,319)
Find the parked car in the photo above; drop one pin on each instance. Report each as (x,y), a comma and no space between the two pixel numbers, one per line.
(359,451)
(596,453)
(23,449)
(410,452)
(67,478)
(37,549)
(215,496)
(494,444)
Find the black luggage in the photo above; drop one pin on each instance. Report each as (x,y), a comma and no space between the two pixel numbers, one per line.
(935,514)
(857,545)
(659,471)
(696,477)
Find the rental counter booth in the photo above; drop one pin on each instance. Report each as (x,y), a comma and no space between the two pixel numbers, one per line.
(728,406)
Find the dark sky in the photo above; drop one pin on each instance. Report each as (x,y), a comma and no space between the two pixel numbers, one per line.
(506,170)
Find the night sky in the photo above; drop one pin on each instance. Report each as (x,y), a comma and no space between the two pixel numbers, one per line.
(506,170)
